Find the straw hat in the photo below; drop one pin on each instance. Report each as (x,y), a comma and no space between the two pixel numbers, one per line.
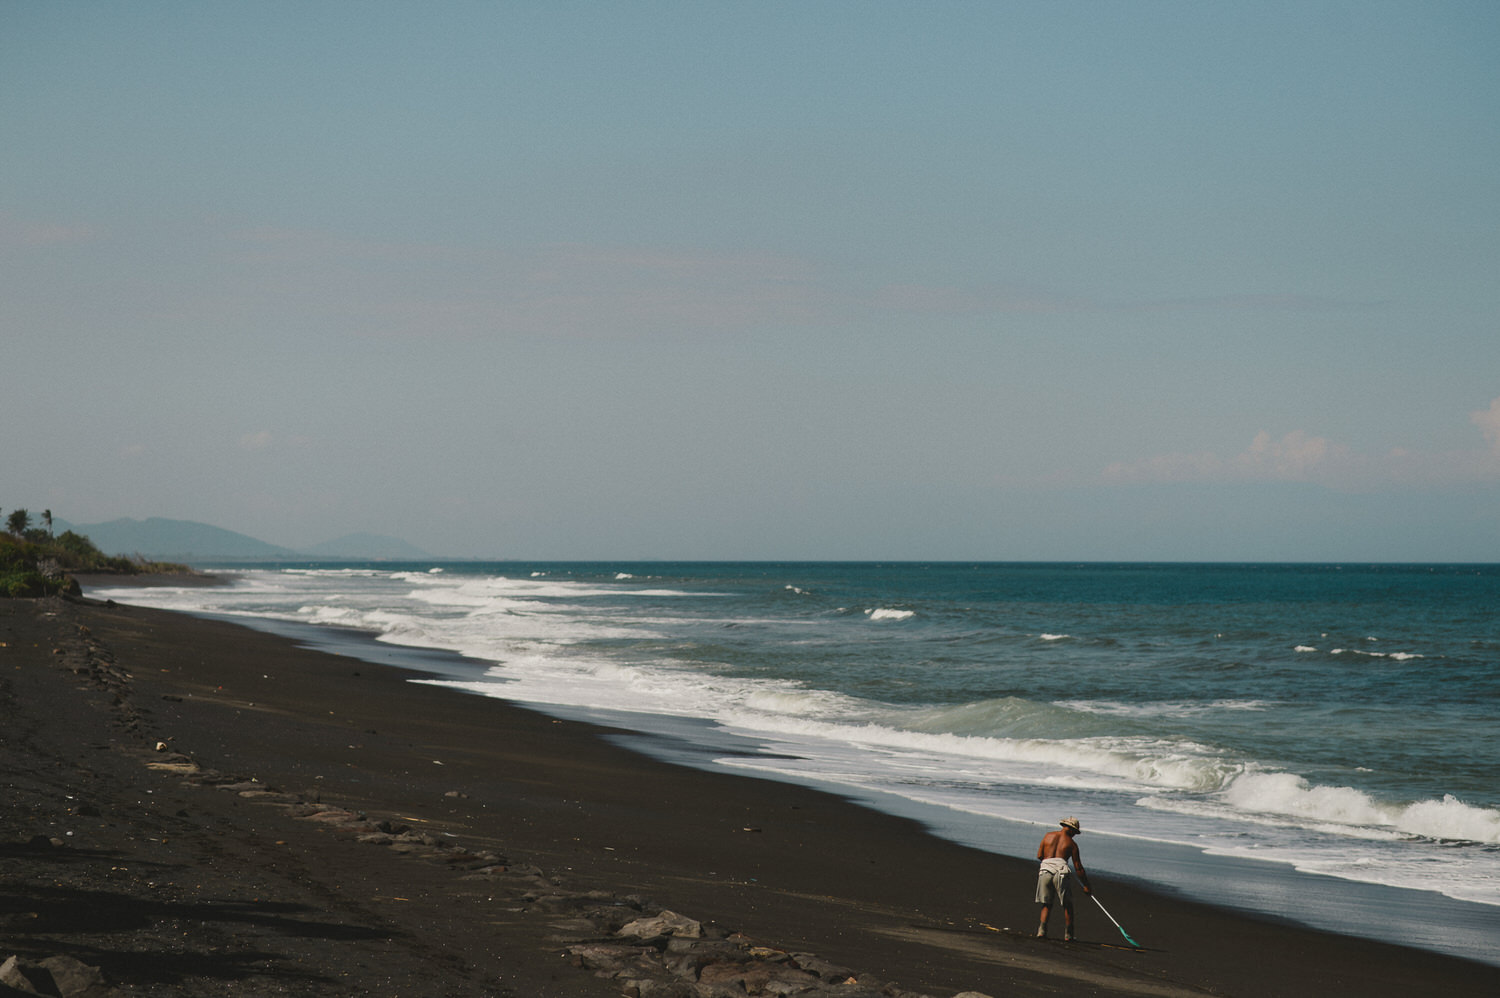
(1070,823)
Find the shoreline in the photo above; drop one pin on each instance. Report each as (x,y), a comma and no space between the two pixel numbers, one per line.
(1268,888)
(798,869)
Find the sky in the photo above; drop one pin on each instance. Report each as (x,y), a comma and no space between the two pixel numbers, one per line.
(782,280)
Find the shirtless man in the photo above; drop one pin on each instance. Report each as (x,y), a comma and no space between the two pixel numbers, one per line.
(1056,850)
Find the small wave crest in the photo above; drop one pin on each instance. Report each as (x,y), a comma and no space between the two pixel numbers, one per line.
(1394,656)
(1116,708)
(1120,764)
(885,613)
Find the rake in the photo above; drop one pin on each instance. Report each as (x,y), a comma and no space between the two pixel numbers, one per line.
(1117,924)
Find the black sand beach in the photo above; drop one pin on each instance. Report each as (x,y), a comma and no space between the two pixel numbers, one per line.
(197,808)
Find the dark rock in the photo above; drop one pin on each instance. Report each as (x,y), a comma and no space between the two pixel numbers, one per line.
(13,975)
(269,796)
(326,815)
(667,923)
(56,975)
(759,978)
(605,956)
(831,972)
(73,978)
(611,917)
(420,839)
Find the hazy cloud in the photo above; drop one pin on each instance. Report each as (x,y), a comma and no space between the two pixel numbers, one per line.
(1300,457)
(287,277)
(939,300)
(1488,421)
(1253,303)
(259,440)
(33,233)
(1295,457)
(384,288)
(424,289)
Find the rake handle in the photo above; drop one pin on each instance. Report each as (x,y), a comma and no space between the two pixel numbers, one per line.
(1117,924)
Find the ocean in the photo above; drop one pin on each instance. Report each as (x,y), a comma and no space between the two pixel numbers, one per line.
(1312,742)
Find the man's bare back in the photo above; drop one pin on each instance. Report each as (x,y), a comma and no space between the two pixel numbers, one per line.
(1057,845)
(1060,845)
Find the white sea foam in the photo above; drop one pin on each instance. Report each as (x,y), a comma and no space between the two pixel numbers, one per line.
(1450,819)
(1164,708)
(1053,637)
(334,573)
(883,613)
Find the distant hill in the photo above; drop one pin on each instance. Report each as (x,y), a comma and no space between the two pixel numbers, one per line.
(186,540)
(162,539)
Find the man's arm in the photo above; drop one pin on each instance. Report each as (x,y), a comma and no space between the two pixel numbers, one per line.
(1083,876)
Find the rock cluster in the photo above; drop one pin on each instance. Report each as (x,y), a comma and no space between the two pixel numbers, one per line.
(667,955)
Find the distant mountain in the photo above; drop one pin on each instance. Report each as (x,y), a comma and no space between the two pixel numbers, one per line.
(160,539)
(368,547)
(178,540)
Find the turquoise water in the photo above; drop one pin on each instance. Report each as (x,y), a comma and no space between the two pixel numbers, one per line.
(1334,721)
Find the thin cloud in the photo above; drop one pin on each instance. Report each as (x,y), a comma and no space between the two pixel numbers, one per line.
(1488,421)
(1300,457)
(941,300)
(391,288)
(378,288)
(1295,457)
(259,440)
(300,246)
(1252,303)
(35,234)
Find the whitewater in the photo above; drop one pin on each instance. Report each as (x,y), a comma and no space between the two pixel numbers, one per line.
(1225,730)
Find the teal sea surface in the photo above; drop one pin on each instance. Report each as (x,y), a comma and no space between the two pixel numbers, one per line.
(1229,731)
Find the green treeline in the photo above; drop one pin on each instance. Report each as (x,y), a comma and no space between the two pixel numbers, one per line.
(34,562)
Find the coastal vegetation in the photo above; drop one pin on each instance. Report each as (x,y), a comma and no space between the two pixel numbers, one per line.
(36,562)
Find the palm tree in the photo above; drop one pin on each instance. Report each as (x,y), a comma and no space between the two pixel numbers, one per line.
(47,519)
(18,521)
